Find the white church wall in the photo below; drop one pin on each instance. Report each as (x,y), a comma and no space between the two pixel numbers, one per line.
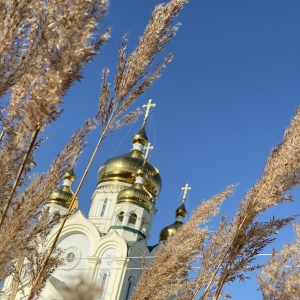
(76,249)
(112,252)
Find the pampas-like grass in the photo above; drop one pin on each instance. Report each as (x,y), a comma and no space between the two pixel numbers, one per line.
(225,255)
(280,277)
(44,45)
(168,274)
(135,74)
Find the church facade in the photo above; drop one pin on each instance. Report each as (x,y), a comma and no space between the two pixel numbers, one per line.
(106,247)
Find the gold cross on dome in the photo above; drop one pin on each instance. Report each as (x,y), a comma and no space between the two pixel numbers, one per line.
(185,190)
(148,106)
(148,148)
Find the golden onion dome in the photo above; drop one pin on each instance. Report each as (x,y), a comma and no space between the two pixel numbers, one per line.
(169,230)
(173,228)
(181,211)
(64,195)
(141,137)
(123,168)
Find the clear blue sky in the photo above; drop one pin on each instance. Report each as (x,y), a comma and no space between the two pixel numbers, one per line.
(222,104)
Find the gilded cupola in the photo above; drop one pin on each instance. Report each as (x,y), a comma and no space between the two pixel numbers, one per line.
(125,167)
(63,195)
(137,193)
(180,214)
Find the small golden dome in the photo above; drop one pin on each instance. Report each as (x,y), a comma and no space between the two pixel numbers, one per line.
(141,137)
(181,211)
(173,228)
(169,230)
(64,195)
(123,168)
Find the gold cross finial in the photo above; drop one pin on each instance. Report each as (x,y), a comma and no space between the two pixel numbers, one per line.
(148,148)
(148,106)
(185,190)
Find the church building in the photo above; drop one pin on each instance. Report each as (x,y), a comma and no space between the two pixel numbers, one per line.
(106,247)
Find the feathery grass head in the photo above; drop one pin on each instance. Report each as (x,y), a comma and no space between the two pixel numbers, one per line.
(280,277)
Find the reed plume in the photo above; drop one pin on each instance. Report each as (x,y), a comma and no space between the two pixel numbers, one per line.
(279,175)
(280,277)
(23,221)
(168,274)
(135,74)
(44,46)
(228,253)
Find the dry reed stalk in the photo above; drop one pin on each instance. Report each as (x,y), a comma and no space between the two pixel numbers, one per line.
(133,77)
(280,174)
(20,171)
(36,253)
(280,277)
(19,230)
(62,40)
(168,274)
(44,46)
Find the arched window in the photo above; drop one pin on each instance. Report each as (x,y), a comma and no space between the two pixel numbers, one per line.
(120,218)
(143,225)
(104,205)
(132,220)
(129,288)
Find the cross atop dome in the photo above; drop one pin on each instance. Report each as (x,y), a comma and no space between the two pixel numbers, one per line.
(185,189)
(148,148)
(148,106)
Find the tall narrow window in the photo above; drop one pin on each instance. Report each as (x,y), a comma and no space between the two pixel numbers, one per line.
(104,276)
(104,205)
(120,218)
(143,226)
(129,288)
(103,282)
(132,220)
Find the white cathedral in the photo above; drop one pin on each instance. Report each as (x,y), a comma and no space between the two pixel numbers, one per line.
(106,247)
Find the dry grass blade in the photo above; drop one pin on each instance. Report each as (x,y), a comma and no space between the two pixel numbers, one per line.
(21,226)
(136,73)
(111,108)
(44,46)
(280,277)
(168,274)
(280,174)
(37,252)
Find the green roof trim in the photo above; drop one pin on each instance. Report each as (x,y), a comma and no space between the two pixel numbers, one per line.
(128,229)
